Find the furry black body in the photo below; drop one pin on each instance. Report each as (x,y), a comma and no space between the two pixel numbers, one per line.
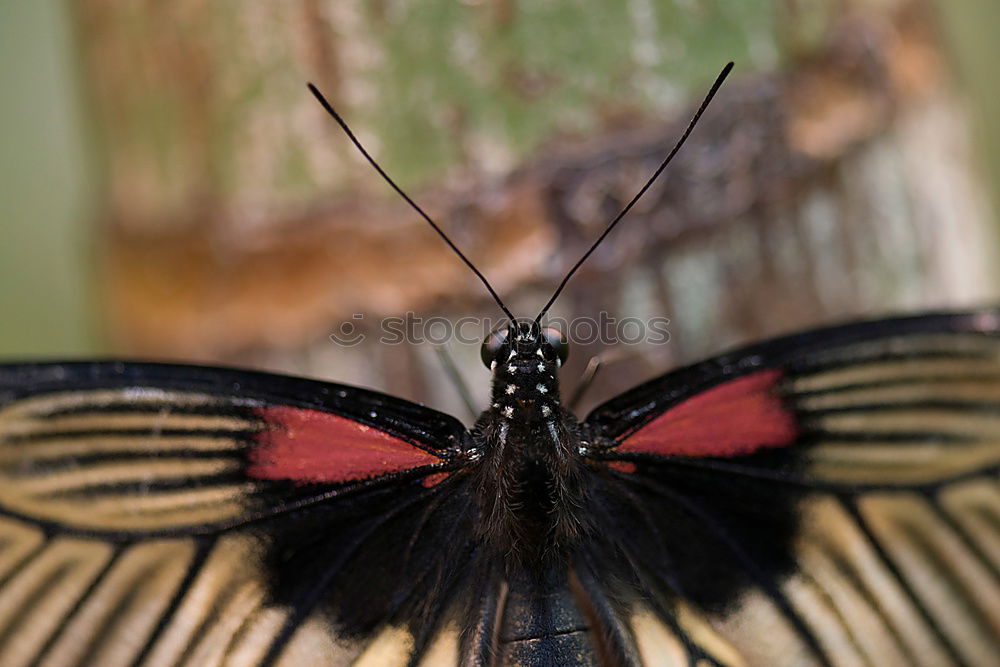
(529,481)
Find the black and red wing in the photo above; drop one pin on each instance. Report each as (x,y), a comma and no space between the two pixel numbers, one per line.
(826,498)
(159,514)
(823,499)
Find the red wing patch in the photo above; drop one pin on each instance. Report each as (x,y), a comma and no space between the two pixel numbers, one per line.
(735,418)
(313,446)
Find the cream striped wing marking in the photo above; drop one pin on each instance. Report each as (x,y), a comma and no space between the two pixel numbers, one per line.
(133,459)
(129,508)
(893,555)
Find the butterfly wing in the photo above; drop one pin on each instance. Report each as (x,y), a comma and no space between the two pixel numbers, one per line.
(826,498)
(158,514)
(821,499)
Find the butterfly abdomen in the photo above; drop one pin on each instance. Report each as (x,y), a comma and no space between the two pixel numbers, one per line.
(551,615)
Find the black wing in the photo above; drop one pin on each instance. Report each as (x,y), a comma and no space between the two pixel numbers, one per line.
(159,514)
(826,498)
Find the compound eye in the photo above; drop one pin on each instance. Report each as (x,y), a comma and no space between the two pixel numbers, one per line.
(491,346)
(557,341)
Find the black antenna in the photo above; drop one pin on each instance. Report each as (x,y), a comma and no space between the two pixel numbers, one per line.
(399,191)
(656,174)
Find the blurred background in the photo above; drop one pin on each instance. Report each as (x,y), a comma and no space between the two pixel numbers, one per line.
(170,190)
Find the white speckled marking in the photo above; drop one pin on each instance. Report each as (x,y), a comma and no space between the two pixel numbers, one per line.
(552,430)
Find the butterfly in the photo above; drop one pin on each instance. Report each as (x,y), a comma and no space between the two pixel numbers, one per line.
(827,498)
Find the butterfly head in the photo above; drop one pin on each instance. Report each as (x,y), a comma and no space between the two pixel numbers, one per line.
(524,358)
(524,343)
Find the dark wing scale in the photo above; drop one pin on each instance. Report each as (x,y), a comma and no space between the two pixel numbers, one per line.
(157,514)
(393,558)
(826,498)
(614,643)
(654,582)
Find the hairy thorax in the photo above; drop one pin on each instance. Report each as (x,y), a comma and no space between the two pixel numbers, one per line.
(528,484)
